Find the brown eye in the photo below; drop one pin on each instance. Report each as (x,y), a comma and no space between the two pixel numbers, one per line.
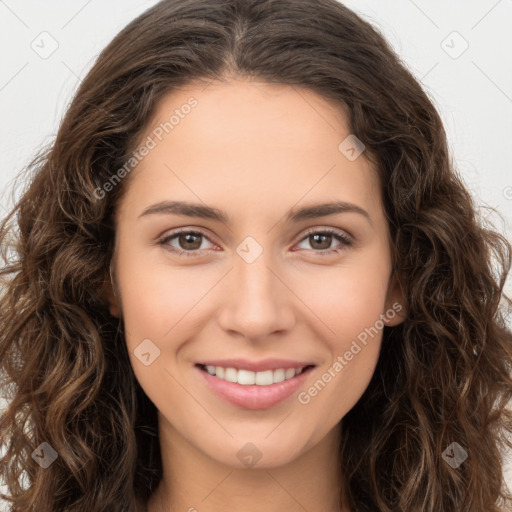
(186,243)
(321,241)
(191,241)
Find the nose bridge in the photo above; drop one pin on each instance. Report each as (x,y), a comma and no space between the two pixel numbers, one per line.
(258,302)
(254,278)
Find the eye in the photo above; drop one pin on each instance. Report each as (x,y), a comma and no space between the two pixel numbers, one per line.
(324,238)
(188,240)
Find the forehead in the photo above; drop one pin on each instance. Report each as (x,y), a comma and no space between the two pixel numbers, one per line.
(257,142)
(231,114)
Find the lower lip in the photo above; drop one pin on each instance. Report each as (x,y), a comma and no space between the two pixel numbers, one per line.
(254,396)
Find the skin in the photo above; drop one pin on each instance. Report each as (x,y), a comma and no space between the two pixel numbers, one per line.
(256,151)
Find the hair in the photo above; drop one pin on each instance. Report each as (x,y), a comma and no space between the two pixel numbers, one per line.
(443,374)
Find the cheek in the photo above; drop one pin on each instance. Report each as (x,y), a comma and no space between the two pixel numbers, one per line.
(161,304)
(350,301)
(347,299)
(158,298)
(353,342)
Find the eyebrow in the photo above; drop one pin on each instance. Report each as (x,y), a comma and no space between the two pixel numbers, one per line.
(208,212)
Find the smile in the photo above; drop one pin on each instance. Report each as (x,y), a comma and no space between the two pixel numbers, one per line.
(253,390)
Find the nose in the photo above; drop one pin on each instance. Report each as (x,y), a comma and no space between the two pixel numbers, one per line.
(259,302)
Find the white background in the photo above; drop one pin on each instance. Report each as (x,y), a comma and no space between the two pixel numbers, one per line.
(473,92)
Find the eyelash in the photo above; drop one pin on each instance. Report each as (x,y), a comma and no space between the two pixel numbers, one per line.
(345,241)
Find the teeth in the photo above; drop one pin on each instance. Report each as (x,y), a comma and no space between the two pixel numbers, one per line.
(247,378)
(279,375)
(230,374)
(262,378)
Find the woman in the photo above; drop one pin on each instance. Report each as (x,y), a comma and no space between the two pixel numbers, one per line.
(173,338)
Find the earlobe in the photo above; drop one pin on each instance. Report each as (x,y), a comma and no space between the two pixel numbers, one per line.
(110,299)
(396,308)
(114,308)
(110,296)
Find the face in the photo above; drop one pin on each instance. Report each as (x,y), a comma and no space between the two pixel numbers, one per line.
(244,280)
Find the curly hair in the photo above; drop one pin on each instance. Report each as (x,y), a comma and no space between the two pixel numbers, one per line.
(443,375)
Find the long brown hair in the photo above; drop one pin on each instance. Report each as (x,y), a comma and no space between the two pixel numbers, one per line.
(443,375)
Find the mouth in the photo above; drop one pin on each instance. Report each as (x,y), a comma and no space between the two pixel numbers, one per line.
(253,390)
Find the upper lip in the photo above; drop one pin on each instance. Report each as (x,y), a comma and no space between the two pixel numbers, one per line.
(256,366)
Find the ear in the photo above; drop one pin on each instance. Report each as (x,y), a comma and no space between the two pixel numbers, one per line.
(110,297)
(395,307)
